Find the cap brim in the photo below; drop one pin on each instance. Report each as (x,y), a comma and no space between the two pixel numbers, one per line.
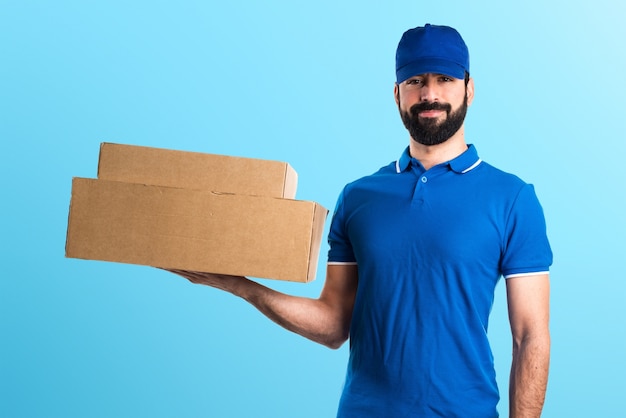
(433,66)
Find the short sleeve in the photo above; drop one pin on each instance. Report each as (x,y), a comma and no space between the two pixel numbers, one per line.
(526,249)
(340,247)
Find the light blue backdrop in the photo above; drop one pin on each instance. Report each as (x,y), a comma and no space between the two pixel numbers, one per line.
(308,83)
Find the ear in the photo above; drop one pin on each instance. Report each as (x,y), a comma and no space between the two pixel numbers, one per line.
(396,93)
(470,91)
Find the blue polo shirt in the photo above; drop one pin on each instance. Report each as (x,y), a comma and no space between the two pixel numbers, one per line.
(430,246)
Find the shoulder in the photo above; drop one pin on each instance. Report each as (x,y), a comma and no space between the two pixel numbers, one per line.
(503,185)
(377,178)
(498,177)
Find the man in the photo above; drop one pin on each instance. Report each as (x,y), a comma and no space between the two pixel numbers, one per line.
(416,250)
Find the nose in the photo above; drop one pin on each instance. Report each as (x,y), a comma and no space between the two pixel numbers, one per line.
(429,92)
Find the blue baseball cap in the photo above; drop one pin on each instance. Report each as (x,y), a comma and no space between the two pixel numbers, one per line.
(431,49)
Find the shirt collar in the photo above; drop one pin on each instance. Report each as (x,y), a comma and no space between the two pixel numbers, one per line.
(404,161)
(462,164)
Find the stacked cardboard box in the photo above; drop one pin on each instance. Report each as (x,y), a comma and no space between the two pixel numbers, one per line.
(195,211)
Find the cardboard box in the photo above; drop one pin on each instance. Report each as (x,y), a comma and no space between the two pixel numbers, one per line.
(194,170)
(195,230)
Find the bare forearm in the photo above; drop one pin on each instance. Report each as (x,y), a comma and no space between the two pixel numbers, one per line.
(324,320)
(310,318)
(529,377)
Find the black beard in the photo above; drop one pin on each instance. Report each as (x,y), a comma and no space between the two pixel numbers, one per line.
(429,131)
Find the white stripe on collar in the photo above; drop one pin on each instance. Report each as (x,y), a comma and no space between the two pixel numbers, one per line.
(473,166)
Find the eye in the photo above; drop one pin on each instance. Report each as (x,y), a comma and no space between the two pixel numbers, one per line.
(445,79)
(414,82)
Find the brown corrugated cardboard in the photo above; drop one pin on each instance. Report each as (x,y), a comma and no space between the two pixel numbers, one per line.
(194,170)
(195,230)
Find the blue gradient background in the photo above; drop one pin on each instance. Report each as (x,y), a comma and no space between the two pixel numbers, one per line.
(309,83)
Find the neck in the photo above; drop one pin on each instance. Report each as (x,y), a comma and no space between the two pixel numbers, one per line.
(431,155)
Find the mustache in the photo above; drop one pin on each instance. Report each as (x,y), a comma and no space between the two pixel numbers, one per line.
(424,106)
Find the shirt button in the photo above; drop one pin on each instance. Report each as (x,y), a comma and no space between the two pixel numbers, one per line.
(424,179)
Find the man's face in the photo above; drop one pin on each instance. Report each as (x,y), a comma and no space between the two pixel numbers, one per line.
(433,106)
